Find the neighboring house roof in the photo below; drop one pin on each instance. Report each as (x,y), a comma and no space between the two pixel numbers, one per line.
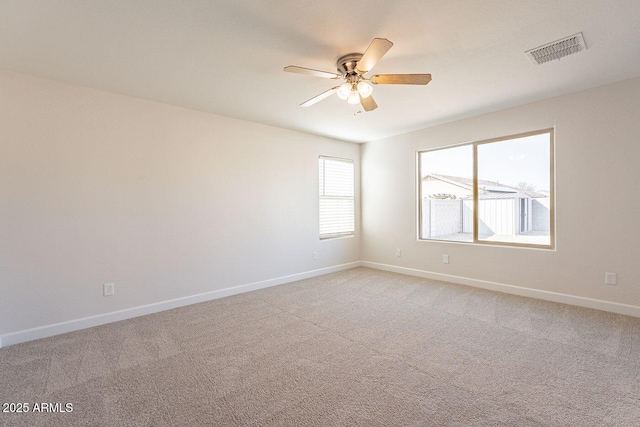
(495,196)
(486,187)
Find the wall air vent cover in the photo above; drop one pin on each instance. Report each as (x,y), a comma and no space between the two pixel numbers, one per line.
(556,50)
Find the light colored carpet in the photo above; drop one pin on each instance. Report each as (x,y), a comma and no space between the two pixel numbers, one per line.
(358,347)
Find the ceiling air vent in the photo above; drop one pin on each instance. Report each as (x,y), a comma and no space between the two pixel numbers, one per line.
(556,50)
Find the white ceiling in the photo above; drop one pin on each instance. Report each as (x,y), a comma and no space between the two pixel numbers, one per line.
(226,57)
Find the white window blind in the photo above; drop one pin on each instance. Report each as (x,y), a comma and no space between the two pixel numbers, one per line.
(336,197)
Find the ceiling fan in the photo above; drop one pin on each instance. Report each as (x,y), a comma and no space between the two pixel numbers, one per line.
(352,68)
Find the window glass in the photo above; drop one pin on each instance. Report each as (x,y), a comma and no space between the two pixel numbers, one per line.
(514,190)
(447,193)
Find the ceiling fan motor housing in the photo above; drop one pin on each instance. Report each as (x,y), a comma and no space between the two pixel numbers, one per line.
(347,64)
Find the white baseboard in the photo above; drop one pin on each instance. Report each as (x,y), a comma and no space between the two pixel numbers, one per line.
(101,319)
(87,322)
(613,307)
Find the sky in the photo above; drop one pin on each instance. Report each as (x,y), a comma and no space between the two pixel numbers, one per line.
(509,162)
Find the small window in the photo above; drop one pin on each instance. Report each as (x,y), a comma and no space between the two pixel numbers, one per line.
(337,217)
(498,191)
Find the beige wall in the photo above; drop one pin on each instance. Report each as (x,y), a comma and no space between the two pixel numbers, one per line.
(597,202)
(164,202)
(169,203)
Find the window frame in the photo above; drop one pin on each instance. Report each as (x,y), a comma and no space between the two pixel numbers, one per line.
(475,145)
(337,235)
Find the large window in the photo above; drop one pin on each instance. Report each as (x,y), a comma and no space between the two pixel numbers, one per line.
(498,191)
(336,197)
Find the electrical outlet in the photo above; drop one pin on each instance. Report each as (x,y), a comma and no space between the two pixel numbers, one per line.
(398,252)
(445,259)
(610,278)
(315,255)
(108,289)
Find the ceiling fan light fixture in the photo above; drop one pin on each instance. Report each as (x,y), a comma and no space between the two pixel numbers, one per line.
(354,97)
(364,89)
(343,91)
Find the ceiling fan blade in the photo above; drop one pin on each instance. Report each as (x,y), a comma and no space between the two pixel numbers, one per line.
(310,72)
(368,103)
(372,55)
(320,97)
(400,79)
